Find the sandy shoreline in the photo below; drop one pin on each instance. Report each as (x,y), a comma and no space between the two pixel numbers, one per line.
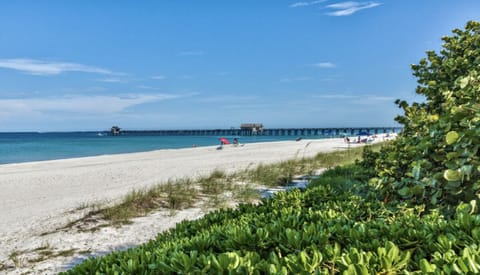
(39,196)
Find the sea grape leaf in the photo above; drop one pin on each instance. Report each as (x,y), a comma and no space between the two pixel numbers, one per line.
(452,175)
(451,137)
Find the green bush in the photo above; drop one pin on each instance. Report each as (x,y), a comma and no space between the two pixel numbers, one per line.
(435,161)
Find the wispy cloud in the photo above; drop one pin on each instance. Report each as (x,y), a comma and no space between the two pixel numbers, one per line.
(248,106)
(350,7)
(306,4)
(158,77)
(336,96)
(112,80)
(39,67)
(90,105)
(186,77)
(367,97)
(324,65)
(294,79)
(226,98)
(145,87)
(191,53)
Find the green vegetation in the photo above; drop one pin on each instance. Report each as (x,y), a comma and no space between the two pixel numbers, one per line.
(172,195)
(409,208)
(436,161)
(336,225)
(283,173)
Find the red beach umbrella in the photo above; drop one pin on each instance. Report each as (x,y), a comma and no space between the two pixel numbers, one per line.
(224,141)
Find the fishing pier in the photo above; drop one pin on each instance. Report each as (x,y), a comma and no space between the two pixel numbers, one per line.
(254,130)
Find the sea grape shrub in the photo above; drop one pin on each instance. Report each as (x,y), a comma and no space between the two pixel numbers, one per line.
(435,160)
(367,163)
(334,226)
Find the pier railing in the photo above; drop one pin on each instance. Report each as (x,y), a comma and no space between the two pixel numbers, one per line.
(299,132)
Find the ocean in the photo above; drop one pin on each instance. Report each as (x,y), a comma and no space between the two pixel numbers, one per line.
(25,147)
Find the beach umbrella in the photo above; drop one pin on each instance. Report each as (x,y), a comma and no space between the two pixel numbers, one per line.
(224,141)
(363,133)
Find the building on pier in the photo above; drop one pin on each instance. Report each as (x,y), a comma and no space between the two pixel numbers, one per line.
(115,130)
(251,129)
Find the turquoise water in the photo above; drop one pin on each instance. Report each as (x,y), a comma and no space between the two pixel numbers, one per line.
(24,147)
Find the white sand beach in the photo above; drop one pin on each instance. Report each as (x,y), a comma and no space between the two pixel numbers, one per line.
(40,197)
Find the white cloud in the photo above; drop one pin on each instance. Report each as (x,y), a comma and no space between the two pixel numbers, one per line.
(39,67)
(306,4)
(350,7)
(112,80)
(324,65)
(90,105)
(158,77)
(191,53)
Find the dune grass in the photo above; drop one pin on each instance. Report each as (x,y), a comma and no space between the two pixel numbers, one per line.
(282,173)
(215,190)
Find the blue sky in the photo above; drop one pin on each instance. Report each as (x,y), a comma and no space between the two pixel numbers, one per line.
(88,65)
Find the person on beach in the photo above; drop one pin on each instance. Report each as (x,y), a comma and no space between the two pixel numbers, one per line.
(235,142)
(223,141)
